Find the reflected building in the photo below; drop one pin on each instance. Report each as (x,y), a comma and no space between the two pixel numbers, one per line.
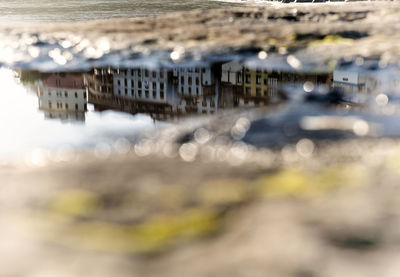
(161,93)
(260,87)
(231,84)
(63,96)
(367,77)
(353,81)
(263,86)
(167,93)
(143,85)
(197,88)
(366,81)
(99,83)
(243,86)
(134,90)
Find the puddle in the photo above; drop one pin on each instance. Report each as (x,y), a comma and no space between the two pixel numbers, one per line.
(138,143)
(282,99)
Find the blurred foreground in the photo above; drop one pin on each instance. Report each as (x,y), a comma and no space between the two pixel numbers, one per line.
(333,214)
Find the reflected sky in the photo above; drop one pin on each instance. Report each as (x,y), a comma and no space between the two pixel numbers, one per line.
(24,128)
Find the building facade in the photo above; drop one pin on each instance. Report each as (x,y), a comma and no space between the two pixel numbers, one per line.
(63,95)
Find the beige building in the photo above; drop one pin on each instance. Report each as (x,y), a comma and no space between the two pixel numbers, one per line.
(63,95)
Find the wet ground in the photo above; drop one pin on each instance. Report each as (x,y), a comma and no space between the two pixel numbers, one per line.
(266,155)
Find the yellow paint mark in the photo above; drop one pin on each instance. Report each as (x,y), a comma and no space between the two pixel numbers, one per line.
(75,203)
(330,39)
(151,236)
(298,182)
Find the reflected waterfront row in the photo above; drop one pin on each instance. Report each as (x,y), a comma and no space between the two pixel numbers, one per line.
(167,93)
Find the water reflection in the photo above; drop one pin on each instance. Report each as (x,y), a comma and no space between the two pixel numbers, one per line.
(172,92)
(368,80)
(176,91)
(63,96)
(356,98)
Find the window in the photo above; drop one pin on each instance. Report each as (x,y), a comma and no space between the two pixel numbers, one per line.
(258,92)
(248,92)
(66,106)
(66,94)
(239,77)
(161,74)
(154,74)
(147,93)
(49,104)
(162,95)
(76,95)
(258,79)
(140,94)
(248,78)
(154,94)
(162,86)
(140,84)
(76,107)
